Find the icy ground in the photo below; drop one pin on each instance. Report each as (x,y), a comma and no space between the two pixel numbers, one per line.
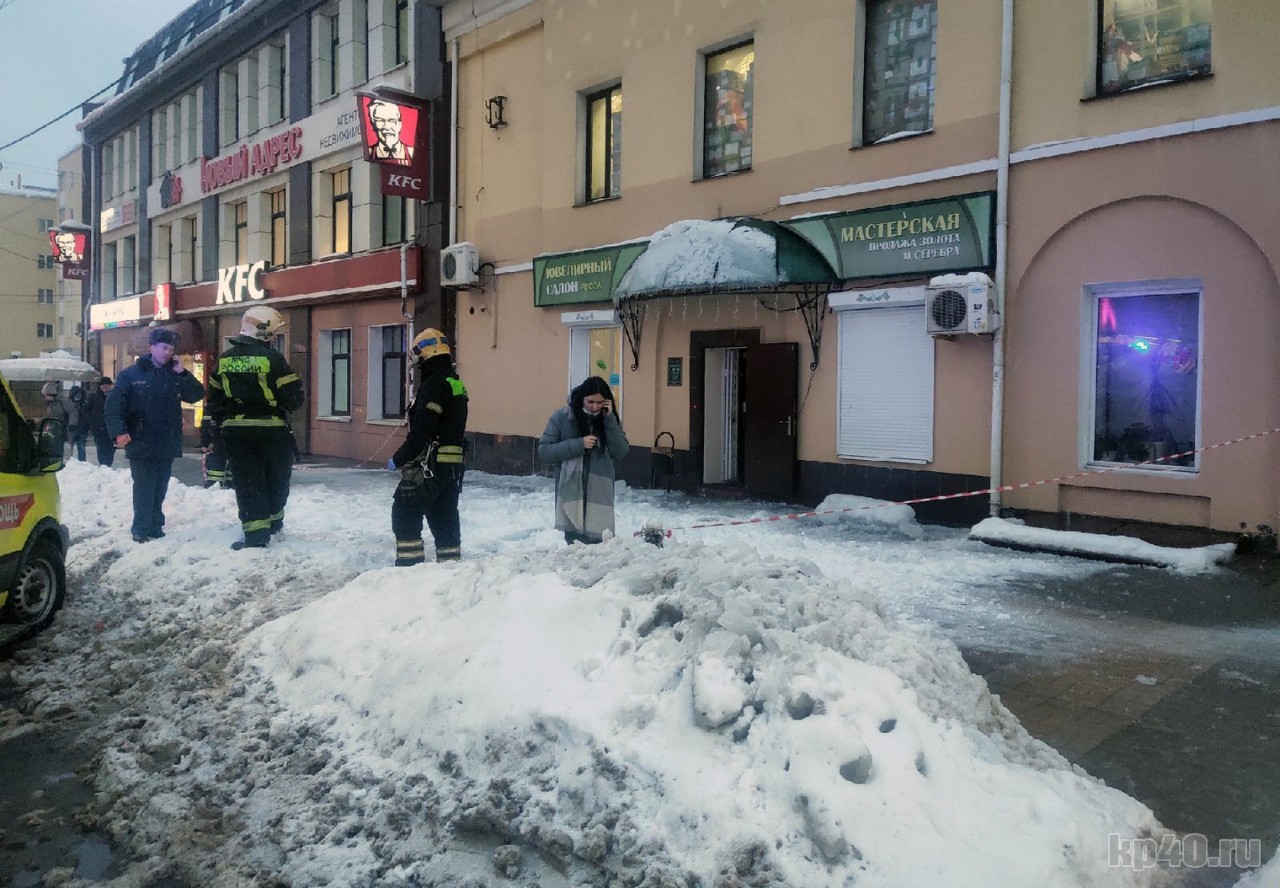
(758,705)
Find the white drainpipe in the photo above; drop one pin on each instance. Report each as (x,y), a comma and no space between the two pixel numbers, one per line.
(452,233)
(1002,246)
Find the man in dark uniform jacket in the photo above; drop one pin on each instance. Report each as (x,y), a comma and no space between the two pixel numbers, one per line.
(251,393)
(144,416)
(430,460)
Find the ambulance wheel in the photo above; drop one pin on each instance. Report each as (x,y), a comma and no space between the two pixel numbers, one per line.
(39,588)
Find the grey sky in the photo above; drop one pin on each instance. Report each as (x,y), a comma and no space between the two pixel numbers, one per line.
(52,57)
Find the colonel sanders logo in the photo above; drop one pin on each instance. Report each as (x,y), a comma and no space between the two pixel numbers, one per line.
(390,131)
(69,248)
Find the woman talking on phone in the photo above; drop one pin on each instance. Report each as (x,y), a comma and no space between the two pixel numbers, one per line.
(583,440)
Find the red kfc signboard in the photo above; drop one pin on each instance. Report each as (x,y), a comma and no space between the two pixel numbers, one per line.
(395,136)
(69,249)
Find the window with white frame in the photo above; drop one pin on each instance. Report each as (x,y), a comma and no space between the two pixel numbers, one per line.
(163,239)
(727,101)
(334,373)
(46,260)
(328,42)
(394,229)
(900,56)
(400,31)
(240,234)
(44,296)
(277,81)
(108,170)
(279,229)
(128,263)
(253,84)
(387,371)
(44,225)
(360,41)
(191,121)
(885,385)
(190,247)
(160,135)
(1146,374)
(44,331)
(603,143)
(1152,41)
(110,279)
(229,105)
(595,349)
(341,210)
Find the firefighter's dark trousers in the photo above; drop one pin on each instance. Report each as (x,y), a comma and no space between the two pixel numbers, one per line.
(437,501)
(262,467)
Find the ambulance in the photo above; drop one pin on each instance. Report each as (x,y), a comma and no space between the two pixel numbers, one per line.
(33,541)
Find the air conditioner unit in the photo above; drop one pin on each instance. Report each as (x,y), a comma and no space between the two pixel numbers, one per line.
(459,265)
(965,306)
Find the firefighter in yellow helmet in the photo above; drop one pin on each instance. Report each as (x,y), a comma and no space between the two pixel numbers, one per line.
(252,391)
(431,459)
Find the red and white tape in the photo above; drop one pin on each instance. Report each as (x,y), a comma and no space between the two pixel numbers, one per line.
(950,496)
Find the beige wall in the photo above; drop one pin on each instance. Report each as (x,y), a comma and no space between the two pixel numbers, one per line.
(1150,212)
(20,275)
(1054,62)
(517,187)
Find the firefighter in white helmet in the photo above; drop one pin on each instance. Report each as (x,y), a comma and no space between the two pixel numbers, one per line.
(252,391)
(431,459)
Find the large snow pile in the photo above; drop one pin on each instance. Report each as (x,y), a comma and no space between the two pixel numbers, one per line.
(692,715)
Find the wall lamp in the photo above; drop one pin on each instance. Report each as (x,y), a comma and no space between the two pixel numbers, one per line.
(493,111)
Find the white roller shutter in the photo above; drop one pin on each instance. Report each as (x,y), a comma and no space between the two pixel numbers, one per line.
(886,386)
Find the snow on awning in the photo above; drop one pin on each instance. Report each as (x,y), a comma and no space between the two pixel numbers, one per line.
(725,255)
(59,366)
(743,255)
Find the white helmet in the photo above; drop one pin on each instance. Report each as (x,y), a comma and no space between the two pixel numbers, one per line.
(261,322)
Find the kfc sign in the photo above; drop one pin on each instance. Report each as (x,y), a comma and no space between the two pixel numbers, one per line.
(237,281)
(395,137)
(69,249)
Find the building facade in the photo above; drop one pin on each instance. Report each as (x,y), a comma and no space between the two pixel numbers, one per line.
(70,322)
(894,248)
(28,272)
(229,170)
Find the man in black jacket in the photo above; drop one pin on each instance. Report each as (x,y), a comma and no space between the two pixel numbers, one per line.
(430,460)
(144,416)
(252,391)
(97,421)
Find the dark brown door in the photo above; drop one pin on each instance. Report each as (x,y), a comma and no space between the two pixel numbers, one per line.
(773,377)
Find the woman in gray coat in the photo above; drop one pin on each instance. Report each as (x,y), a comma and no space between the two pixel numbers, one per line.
(583,440)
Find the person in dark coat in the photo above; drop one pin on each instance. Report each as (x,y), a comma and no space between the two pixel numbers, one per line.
(584,440)
(252,391)
(96,414)
(144,416)
(57,407)
(78,420)
(430,460)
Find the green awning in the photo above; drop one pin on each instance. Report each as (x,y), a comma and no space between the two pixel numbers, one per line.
(741,255)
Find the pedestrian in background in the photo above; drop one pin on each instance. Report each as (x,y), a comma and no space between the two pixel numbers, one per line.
(144,416)
(78,420)
(252,391)
(584,440)
(96,411)
(430,460)
(57,407)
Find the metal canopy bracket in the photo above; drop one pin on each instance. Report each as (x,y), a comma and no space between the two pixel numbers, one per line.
(630,314)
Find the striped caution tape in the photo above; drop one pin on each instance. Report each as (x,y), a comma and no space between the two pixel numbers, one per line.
(649,533)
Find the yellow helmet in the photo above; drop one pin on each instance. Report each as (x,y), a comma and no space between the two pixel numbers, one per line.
(261,322)
(429,343)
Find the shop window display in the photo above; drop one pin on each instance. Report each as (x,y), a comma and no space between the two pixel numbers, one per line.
(1143,42)
(726,144)
(899,73)
(1146,378)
